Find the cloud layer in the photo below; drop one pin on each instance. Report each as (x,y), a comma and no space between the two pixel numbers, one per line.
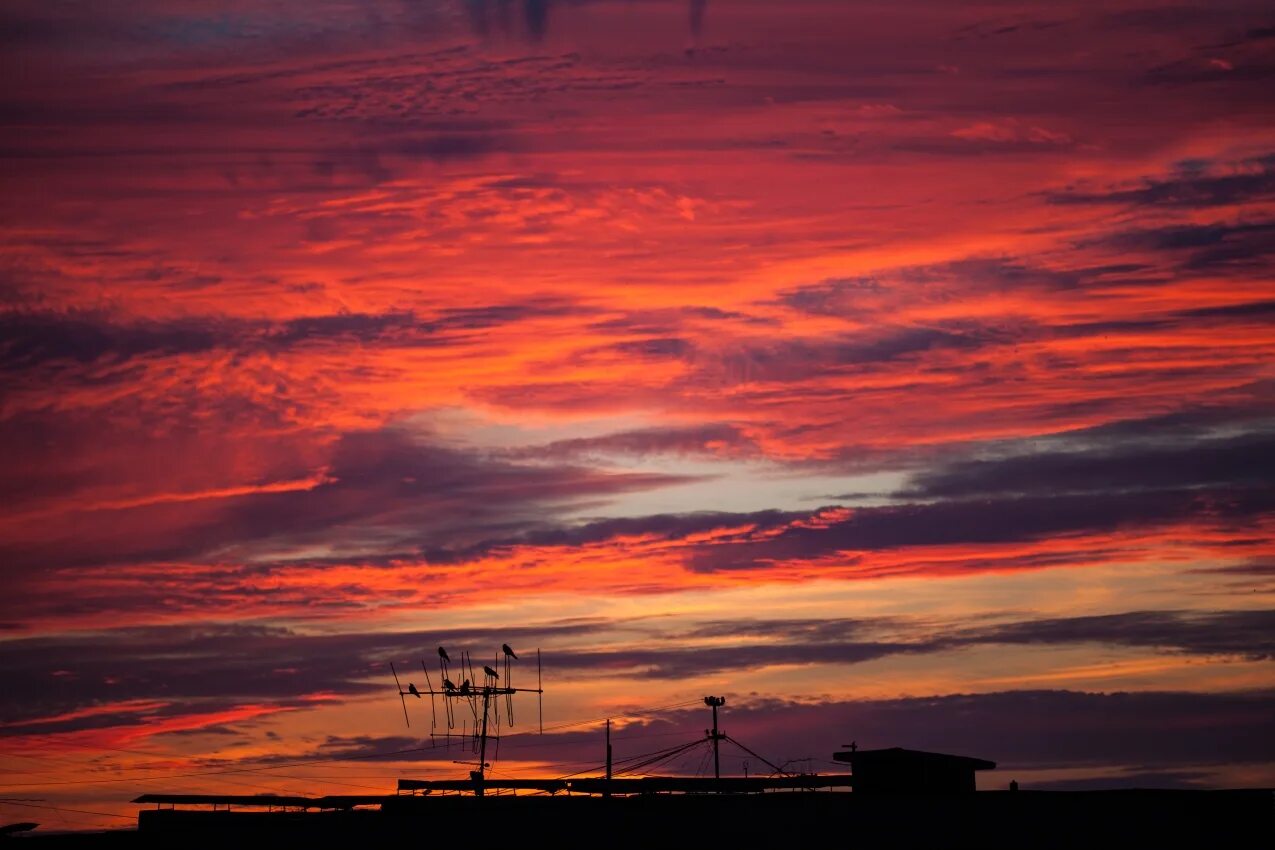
(867,353)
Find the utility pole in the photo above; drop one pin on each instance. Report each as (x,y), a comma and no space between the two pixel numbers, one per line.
(715,735)
(607,792)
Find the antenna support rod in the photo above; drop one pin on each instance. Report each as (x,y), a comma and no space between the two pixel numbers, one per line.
(482,752)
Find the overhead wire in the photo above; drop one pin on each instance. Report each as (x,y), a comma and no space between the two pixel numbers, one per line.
(65,809)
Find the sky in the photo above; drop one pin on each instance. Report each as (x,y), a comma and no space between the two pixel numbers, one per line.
(901,371)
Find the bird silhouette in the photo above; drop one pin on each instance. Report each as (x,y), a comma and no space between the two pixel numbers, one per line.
(442,653)
(449,685)
(508,651)
(464,687)
(491,672)
(411,689)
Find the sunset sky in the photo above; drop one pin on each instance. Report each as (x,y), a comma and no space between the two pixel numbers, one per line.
(902,371)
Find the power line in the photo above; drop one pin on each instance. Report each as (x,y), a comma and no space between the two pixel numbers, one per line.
(64,809)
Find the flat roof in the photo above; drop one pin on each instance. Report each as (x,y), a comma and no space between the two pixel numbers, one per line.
(264,800)
(643,785)
(904,756)
(582,785)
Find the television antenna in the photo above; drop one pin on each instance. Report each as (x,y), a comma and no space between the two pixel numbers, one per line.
(480,695)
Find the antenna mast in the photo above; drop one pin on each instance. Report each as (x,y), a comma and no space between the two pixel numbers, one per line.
(470,691)
(714,735)
(608,791)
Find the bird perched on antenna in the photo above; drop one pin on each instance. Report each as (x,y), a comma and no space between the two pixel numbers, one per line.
(411,689)
(442,653)
(491,672)
(508,651)
(464,687)
(449,685)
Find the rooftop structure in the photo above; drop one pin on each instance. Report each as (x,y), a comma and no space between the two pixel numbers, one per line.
(900,771)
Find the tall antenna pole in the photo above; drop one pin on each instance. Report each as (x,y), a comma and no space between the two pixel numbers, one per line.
(482,747)
(607,792)
(715,735)
(717,764)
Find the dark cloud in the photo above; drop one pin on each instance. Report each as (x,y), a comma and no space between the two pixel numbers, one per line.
(674,663)
(1031,729)
(1124,476)
(492,17)
(903,342)
(795,630)
(149,714)
(955,147)
(408,329)
(670,322)
(1229,78)
(338,328)
(1165,738)
(217,666)
(1242,461)
(494,315)
(697,9)
(1203,247)
(385,492)
(710,439)
(1174,780)
(30,339)
(536,13)
(656,348)
(1259,569)
(1247,181)
(671,526)
(196,669)
(833,297)
(376,163)
(853,297)
(382,472)
(1244,633)
(984,521)
(442,148)
(1251,310)
(869,297)
(1177,427)
(103,453)
(38,26)
(796,359)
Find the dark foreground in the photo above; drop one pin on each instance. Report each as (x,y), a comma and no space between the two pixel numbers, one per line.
(1041,819)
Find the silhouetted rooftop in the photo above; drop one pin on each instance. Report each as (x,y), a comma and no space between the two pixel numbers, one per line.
(901,756)
(264,800)
(639,785)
